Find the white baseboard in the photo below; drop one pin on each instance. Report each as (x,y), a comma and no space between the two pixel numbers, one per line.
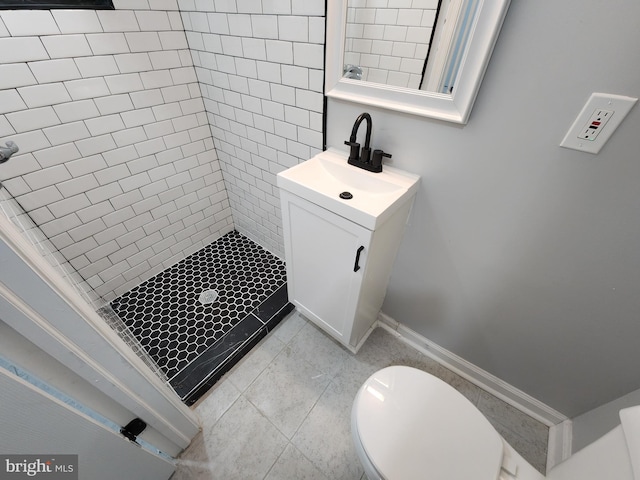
(559,448)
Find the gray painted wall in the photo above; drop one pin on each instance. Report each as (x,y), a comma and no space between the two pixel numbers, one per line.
(591,425)
(523,257)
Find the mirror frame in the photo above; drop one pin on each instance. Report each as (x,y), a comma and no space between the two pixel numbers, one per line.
(452,108)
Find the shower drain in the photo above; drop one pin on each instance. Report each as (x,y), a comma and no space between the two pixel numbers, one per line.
(208,297)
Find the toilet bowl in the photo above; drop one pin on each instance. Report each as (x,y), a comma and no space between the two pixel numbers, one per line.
(407,424)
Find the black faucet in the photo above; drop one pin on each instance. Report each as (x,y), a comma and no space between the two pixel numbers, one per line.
(364,159)
(354,154)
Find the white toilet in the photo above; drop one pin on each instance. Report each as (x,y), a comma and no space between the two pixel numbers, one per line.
(408,424)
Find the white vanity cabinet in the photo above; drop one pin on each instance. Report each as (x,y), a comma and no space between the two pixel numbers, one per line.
(337,270)
(342,229)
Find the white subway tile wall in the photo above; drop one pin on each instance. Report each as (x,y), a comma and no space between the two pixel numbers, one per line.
(389,39)
(260,65)
(117,164)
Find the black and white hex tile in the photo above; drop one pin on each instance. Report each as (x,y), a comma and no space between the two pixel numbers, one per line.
(197,318)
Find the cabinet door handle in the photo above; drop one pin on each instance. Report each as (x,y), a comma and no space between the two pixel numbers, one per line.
(356,267)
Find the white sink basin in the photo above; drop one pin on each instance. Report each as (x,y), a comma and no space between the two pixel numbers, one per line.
(376,196)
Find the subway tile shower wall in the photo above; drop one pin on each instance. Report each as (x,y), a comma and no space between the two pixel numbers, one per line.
(260,66)
(114,113)
(386,38)
(116,165)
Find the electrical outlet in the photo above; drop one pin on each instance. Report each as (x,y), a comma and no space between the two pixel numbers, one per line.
(597,121)
(595,124)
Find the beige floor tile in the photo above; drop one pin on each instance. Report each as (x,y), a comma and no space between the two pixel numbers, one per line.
(252,365)
(325,436)
(404,354)
(319,350)
(292,465)
(526,435)
(290,326)
(357,368)
(299,384)
(533,451)
(243,444)
(218,400)
(194,462)
(286,391)
(511,418)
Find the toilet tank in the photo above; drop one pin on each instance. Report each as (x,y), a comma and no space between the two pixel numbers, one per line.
(615,455)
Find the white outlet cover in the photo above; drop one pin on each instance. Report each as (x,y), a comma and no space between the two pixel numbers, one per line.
(619,104)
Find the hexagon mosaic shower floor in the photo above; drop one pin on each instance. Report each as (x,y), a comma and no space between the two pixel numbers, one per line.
(195,342)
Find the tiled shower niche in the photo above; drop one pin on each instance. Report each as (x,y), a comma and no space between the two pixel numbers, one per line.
(199,317)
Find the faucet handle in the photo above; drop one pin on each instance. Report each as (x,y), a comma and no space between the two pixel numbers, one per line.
(7,151)
(354,153)
(376,160)
(12,146)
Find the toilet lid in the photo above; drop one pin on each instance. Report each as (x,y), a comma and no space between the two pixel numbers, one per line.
(413,425)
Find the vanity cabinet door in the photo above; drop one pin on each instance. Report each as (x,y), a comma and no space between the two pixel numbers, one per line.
(326,262)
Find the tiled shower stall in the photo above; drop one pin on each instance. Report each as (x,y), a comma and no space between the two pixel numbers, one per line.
(149,132)
(386,39)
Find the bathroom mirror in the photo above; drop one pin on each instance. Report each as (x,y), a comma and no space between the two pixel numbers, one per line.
(475,36)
